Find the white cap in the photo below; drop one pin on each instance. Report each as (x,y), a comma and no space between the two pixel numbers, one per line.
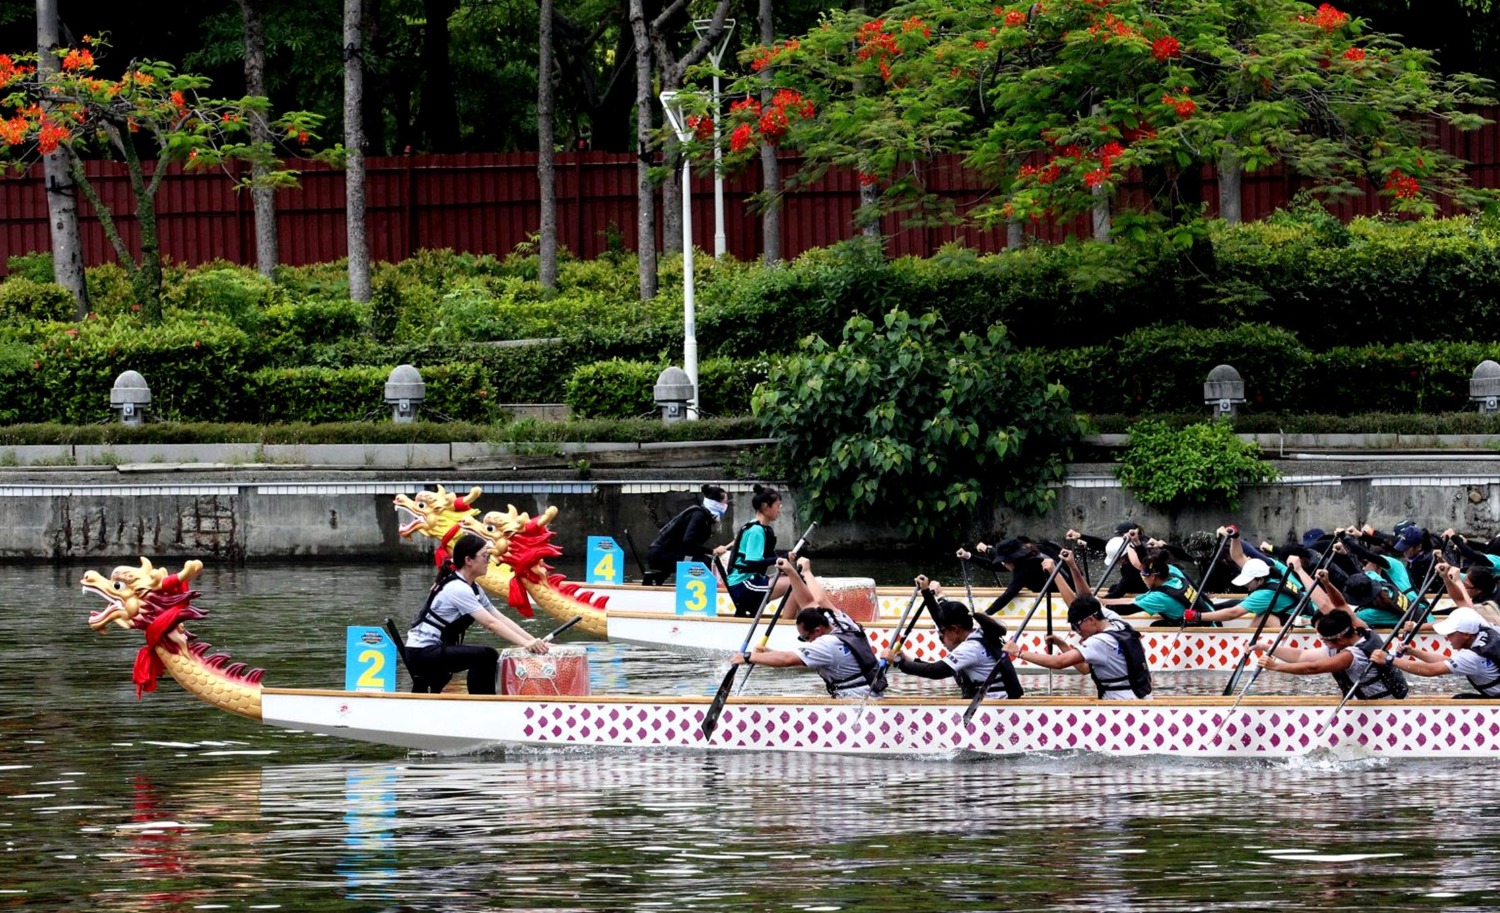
(1112,549)
(1459,621)
(1251,570)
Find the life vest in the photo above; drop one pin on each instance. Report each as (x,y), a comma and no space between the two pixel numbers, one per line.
(1186,596)
(854,639)
(669,540)
(1487,644)
(1005,677)
(1386,681)
(1293,589)
(451,633)
(734,554)
(1137,674)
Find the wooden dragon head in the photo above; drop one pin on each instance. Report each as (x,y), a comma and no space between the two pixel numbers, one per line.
(434,513)
(126,587)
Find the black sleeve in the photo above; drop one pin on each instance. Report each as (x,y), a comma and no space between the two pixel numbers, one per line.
(985,560)
(922,669)
(1004,598)
(1362,553)
(699,529)
(1468,551)
(1094,543)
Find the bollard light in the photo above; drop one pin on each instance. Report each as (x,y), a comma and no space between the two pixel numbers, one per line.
(1224,391)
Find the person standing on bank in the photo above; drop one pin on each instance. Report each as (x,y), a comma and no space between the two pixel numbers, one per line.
(685,537)
(434,645)
(1111,652)
(975,643)
(753,554)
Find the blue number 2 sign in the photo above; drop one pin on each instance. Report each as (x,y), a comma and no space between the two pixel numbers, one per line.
(605,563)
(369,660)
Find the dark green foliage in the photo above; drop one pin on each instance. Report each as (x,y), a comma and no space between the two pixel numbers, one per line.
(525,431)
(618,388)
(27,299)
(1204,463)
(903,423)
(35,266)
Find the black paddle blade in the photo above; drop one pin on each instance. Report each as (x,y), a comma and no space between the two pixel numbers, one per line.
(711,718)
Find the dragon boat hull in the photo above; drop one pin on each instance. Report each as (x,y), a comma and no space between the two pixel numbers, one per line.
(1194,649)
(1261,727)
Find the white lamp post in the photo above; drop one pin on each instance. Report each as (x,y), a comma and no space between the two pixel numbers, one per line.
(671,102)
(702,27)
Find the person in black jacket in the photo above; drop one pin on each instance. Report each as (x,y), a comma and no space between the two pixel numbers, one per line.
(685,537)
(1022,558)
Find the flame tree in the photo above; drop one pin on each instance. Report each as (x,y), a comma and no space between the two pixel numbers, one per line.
(148,118)
(1056,102)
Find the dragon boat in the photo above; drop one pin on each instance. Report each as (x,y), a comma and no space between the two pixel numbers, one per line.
(519,547)
(159,604)
(1167,649)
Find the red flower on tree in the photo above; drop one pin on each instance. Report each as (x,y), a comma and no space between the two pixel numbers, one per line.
(1354,55)
(739,138)
(1404,186)
(77,59)
(1329,19)
(1164,49)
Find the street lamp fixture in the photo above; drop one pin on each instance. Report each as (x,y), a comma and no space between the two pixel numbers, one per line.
(672,104)
(703,27)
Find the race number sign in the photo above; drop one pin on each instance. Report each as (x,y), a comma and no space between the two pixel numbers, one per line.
(606,563)
(369,660)
(697,590)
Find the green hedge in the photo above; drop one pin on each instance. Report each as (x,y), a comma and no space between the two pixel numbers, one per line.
(618,388)
(456,392)
(524,431)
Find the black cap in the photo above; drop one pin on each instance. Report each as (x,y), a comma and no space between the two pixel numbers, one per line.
(1126,526)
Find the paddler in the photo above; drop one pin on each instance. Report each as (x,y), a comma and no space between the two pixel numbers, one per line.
(1476,654)
(837,648)
(975,643)
(1348,653)
(1110,651)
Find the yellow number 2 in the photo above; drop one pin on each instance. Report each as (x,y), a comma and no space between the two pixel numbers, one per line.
(371,677)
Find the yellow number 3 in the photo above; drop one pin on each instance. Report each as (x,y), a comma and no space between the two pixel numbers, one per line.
(697,599)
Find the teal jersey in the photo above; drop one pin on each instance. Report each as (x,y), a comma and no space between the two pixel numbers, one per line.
(1378,617)
(1395,569)
(1258,602)
(1164,604)
(752,547)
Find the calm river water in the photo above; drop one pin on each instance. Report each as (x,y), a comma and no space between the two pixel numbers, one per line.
(107,803)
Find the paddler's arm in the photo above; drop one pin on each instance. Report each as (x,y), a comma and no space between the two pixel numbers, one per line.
(504,627)
(778,659)
(1070,657)
(1309,664)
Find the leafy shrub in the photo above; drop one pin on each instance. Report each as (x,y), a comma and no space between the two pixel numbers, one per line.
(26,299)
(902,423)
(36,266)
(195,369)
(1200,464)
(238,293)
(379,432)
(110,291)
(455,392)
(618,388)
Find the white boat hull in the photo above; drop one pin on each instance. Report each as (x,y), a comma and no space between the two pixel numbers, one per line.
(1195,649)
(1262,727)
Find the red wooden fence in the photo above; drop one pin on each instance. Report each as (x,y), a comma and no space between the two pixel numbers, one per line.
(487,203)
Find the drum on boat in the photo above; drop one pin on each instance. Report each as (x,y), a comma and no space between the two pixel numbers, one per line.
(854,596)
(558,672)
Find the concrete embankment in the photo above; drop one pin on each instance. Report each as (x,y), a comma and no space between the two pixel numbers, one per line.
(335,502)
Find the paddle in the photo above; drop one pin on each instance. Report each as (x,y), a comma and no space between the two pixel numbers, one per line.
(989,680)
(780,606)
(637,555)
(963,567)
(1198,590)
(903,629)
(1280,636)
(1108,568)
(711,718)
(547,638)
(1234,677)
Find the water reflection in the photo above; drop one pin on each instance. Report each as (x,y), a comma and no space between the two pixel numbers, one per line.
(109,803)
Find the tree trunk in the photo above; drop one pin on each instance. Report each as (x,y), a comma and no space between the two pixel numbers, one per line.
(770,166)
(267,246)
(546,172)
(439,115)
(1015,235)
(146,279)
(1231,178)
(645,222)
(354,143)
(1102,222)
(62,197)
